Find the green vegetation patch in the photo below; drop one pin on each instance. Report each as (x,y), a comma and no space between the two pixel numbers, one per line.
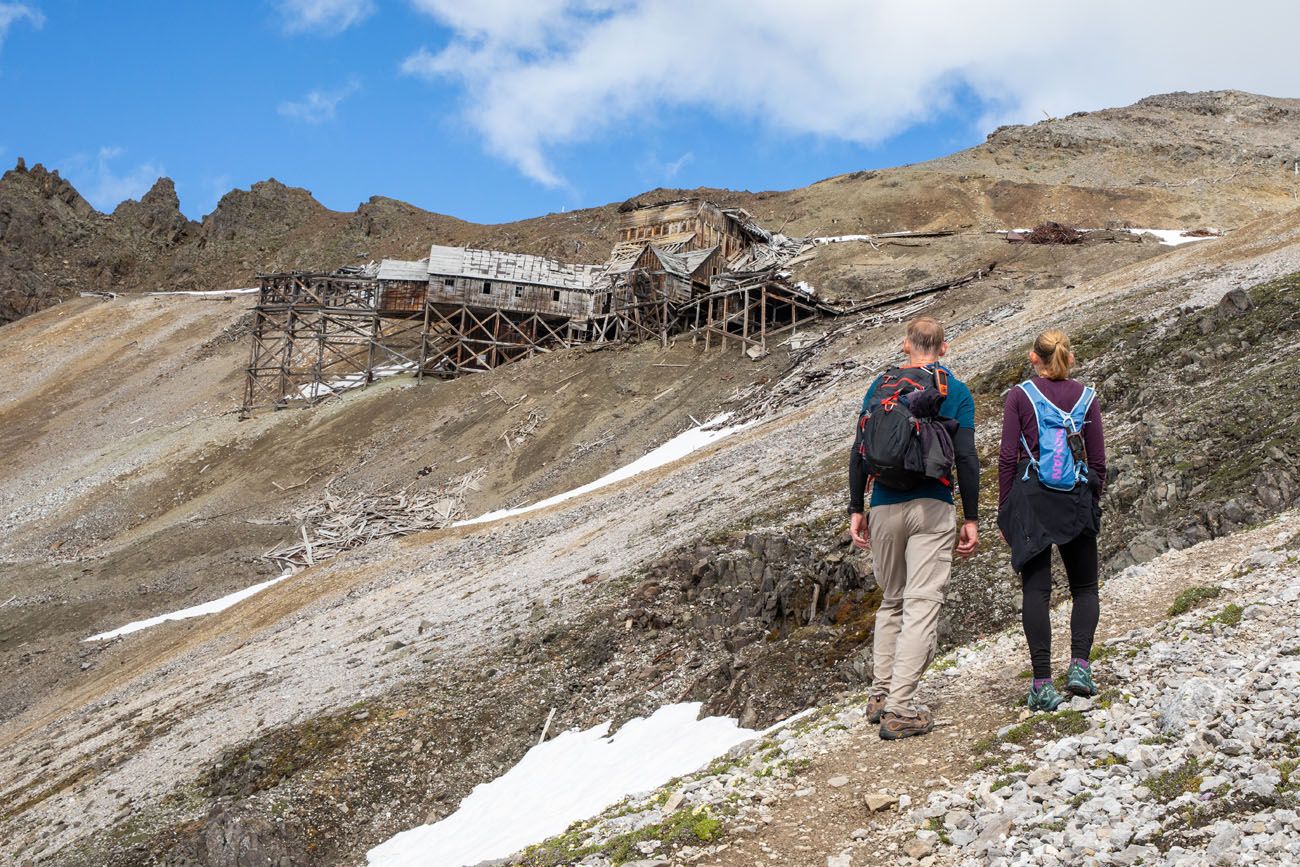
(281,753)
(1192,597)
(1290,779)
(944,663)
(1230,615)
(1168,785)
(684,827)
(936,825)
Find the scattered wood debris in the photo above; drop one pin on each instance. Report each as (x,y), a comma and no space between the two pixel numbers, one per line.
(341,523)
(523,429)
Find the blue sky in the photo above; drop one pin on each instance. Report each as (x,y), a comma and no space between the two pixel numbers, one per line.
(498,110)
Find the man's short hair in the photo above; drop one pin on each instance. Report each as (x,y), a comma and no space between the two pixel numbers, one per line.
(925,334)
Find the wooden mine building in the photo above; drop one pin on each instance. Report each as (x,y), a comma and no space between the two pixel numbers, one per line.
(683,267)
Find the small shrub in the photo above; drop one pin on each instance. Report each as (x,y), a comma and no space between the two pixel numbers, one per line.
(1167,785)
(1290,779)
(1230,615)
(1191,597)
(1018,733)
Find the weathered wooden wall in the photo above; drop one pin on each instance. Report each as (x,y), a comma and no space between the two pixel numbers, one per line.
(530,298)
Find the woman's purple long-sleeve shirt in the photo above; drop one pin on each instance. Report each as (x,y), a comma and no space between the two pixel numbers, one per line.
(1018,418)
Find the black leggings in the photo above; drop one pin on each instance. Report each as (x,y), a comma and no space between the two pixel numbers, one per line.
(1080,558)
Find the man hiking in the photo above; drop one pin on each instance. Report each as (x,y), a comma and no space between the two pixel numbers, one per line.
(916,422)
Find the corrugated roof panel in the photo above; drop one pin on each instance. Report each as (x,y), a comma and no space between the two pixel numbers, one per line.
(400,269)
(447,261)
(510,268)
(672,262)
(692,259)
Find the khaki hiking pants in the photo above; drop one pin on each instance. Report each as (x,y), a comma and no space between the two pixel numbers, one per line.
(911,548)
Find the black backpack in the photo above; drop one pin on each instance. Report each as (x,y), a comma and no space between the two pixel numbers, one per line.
(901,438)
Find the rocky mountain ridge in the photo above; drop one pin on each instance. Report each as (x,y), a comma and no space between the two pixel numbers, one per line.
(1217,158)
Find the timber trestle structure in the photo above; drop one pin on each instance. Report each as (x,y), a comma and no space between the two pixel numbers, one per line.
(316,335)
(686,268)
(463,339)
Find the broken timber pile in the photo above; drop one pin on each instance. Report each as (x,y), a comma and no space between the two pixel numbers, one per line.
(340,524)
(1047,233)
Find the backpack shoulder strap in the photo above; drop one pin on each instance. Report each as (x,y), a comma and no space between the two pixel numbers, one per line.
(1032,392)
(1084,403)
(941,379)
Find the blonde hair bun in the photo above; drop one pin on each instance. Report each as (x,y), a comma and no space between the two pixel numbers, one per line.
(1053,350)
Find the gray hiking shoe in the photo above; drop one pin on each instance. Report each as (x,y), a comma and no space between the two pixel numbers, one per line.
(875,707)
(895,726)
(1044,698)
(1078,680)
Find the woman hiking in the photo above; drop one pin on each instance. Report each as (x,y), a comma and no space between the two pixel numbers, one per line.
(1051,471)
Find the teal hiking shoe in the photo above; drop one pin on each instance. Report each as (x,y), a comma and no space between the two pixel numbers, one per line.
(1078,680)
(1045,698)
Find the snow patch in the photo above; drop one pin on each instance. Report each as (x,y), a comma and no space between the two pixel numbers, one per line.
(193,611)
(679,446)
(1172,237)
(572,777)
(840,239)
(211,292)
(352,380)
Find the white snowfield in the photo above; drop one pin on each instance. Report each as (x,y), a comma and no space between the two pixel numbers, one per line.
(678,447)
(574,776)
(193,611)
(840,239)
(352,380)
(212,292)
(1173,237)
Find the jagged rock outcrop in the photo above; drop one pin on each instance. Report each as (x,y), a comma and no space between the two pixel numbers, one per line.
(43,221)
(267,210)
(156,216)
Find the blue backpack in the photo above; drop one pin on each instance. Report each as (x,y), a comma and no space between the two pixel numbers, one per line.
(1062,461)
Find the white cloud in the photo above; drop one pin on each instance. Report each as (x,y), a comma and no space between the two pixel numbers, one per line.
(324,16)
(556,72)
(318,106)
(12,13)
(656,171)
(674,168)
(103,185)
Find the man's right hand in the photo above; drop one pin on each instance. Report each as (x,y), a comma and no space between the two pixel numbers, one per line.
(860,531)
